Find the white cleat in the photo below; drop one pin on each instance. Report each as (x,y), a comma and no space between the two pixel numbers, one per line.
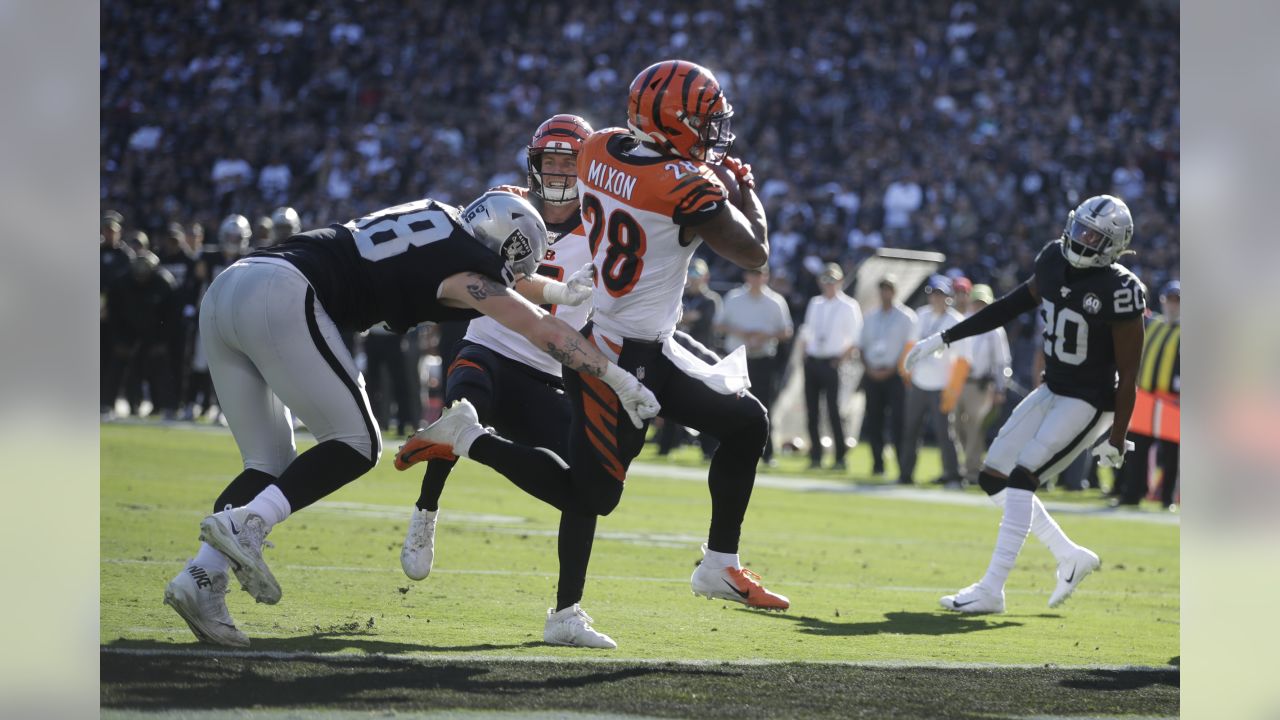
(974,600)
(240,534)
(419,550)
(1071,572)
(572,626)
(200,597)
(736,584)
(437,440)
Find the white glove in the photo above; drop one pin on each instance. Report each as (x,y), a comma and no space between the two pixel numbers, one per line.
(636,399)
(928,346)
(1111,456)
(574,291)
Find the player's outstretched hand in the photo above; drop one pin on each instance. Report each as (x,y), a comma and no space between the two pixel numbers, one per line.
(1111,456)
(928,346)
(635,398)
(580,285)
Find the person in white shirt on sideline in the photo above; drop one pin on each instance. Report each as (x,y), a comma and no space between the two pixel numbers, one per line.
(832,328)
(885,334)
(989,359)
(758,318)
(924,394)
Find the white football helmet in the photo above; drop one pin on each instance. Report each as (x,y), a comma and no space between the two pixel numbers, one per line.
(284,223)
(508,225)
(234,233)
(1098,232)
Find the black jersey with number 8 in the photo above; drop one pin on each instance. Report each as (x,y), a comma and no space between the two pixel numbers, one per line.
(386,267)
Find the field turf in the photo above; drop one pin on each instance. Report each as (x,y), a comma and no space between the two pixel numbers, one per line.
(865,636)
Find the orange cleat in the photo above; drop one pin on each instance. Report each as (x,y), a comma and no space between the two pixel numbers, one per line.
(416,450)
(738,585)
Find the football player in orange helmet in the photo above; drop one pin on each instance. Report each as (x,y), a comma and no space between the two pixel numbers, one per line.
(650,194)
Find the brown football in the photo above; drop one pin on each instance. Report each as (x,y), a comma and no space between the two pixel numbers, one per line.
(730,182)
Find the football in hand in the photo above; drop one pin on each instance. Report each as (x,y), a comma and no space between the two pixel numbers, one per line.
(730,181)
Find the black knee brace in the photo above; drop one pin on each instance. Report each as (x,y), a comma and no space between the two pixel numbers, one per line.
(990,483)
(1022,479)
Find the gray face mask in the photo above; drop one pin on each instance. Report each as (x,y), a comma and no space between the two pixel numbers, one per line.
(508,225)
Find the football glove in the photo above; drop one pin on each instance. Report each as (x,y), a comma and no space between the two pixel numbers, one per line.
(1111,456)
(574,291)
(636,399)
(741,170)
(928,346)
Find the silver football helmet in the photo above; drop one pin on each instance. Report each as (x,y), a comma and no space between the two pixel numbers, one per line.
(234,233)
(508,225)
(1098,232)
(285,223)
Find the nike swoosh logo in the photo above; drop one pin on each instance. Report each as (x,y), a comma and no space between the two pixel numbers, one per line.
(1072,576)
(741,593)
(962,604)
(234,530)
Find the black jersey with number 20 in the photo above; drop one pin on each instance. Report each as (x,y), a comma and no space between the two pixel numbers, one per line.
(1078,306)
(386,267)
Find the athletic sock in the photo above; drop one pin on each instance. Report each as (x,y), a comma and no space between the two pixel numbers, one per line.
(1014,526)
(320,472)
(1044,527)
(537,471)
(433,480)
(210,559)
(244,488)
(467,436)
(271,505)
(721,560)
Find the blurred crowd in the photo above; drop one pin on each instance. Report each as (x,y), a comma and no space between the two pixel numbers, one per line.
(967,128)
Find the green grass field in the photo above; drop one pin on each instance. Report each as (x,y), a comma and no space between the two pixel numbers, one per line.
(864,570)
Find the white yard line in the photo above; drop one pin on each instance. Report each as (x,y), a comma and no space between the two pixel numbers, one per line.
(794,483)
(551,574)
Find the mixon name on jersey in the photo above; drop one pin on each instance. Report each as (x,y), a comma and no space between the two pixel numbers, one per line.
(611,180)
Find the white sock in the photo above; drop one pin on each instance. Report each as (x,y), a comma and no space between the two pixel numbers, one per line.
(271,504)
(1014,526)
(721,560)
(1044,527)
(462,447)
(210,559)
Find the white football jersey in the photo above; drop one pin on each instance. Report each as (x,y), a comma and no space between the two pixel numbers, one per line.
(565,255)
(633,206)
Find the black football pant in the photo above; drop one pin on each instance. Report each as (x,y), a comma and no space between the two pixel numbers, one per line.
(527,406)
(603,442)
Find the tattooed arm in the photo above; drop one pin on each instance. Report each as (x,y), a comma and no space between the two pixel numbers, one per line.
(553,335)
(544,330)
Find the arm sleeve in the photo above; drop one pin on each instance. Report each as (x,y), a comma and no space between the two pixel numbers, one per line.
(995,315)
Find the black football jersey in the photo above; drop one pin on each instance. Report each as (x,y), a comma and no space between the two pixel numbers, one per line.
(1078,306)
(387,267)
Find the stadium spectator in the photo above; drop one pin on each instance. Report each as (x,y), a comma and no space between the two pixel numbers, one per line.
(885,333)
(924,390)
(831,332)
(984,387)
(757,319)
(1159,387)
(140,309)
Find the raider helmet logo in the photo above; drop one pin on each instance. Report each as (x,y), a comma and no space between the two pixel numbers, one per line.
(516,246)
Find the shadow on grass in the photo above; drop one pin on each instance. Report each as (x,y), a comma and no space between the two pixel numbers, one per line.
(227,681)
(1117,680)
(320,643)
(899,623)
